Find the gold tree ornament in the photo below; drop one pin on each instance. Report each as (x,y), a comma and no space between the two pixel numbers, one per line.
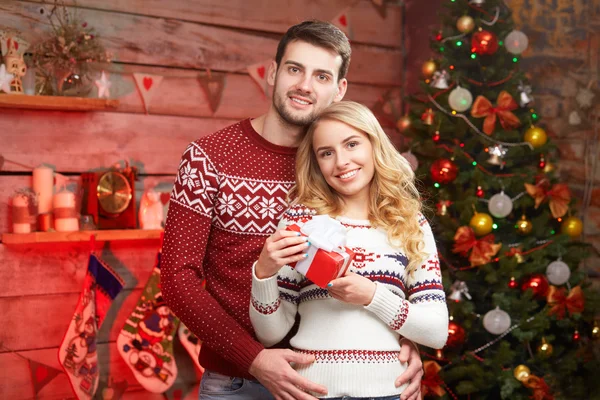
(522,372)
(524,226)
(572,226)
(403,123)
(536,136)
(481,223)
(596,331)
(465,24)
(545,349)
(428,69)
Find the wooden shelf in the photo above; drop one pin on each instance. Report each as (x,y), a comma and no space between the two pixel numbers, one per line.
(56,103)
(81,236)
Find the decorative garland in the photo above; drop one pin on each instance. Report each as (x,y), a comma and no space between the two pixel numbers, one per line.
(506,144)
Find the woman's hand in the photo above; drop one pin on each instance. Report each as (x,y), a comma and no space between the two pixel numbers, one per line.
(281,248)
(353,289)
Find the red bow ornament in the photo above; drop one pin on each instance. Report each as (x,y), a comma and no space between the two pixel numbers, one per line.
(431,382)
(559,195)
(482,107)
(560,303)
(482,250)
(540,388)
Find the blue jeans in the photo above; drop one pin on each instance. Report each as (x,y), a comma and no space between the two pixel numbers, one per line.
(216,387)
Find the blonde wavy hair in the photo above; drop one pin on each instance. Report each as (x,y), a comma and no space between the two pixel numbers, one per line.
(394,201)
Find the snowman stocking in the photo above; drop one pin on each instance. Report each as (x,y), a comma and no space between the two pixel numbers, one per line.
(77,352)
(146,340)
(191,343)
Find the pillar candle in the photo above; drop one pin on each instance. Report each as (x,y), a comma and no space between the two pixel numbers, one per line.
(65,214)
(43,184)
(22,220)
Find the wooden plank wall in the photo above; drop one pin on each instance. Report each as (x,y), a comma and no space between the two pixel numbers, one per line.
(177,39)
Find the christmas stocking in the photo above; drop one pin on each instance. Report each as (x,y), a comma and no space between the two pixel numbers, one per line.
(146,340)
(77,353)
(191,343)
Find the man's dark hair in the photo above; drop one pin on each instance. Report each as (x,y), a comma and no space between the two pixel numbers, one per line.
(320,34)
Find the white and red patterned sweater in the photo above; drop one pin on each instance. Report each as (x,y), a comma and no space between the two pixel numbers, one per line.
(228,197)
(356,347)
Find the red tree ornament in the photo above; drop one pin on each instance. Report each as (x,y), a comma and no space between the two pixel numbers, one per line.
(538,284)
(443,171)
(456,335)
(484,43)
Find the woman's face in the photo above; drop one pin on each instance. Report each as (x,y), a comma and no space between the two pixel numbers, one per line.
(345,157)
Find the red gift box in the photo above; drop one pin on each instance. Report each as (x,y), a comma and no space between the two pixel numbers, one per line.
(321,266)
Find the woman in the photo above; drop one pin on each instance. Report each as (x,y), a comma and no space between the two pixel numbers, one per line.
(347,168)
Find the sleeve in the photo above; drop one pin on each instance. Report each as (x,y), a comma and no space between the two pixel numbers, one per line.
(186,234)
(274,301)
(423,318)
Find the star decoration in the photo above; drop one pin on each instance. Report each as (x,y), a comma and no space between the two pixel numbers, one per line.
(5,79)
(103,85)
(584,98)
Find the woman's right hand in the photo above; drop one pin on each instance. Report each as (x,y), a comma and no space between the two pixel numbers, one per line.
(281,248)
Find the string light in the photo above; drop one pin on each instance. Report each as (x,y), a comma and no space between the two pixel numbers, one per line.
(473,56)
(515,59)
(474,163)
(459,43)
(437,185)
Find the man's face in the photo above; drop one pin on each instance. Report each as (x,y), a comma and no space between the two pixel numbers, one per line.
(306,82)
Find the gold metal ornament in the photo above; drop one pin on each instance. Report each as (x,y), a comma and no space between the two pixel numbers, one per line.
(524,226)
(536,136)
(428,69)
(481,223)
(522,372)
(403,123)
(465,24)
(596,331)
(114,192)
(545,349)
(572,226)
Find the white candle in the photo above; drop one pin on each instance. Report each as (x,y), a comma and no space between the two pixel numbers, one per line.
(43,184)
(66,225)
(65,216)
(64,199)
(22,202)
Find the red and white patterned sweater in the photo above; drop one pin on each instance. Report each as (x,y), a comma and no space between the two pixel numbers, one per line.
(228,197)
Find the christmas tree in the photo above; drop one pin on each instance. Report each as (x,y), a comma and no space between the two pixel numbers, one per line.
(522,311)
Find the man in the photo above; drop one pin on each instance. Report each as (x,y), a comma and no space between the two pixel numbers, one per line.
(228,198)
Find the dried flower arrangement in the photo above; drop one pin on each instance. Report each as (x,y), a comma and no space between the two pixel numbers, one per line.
(65,58)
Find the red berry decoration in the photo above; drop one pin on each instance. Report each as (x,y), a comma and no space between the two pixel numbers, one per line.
(456,335)
(484,43)
(538,284)
(443,171)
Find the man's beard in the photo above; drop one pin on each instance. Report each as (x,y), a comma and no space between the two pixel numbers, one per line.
(288,117)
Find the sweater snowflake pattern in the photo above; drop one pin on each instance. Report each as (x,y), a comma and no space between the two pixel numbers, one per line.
(355,347)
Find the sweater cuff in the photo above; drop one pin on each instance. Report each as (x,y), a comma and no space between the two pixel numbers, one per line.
(264,290)
(384,304)
(244,352)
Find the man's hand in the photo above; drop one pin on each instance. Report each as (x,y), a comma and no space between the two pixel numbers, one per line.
(272,368)
(410,353)
(353,289)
